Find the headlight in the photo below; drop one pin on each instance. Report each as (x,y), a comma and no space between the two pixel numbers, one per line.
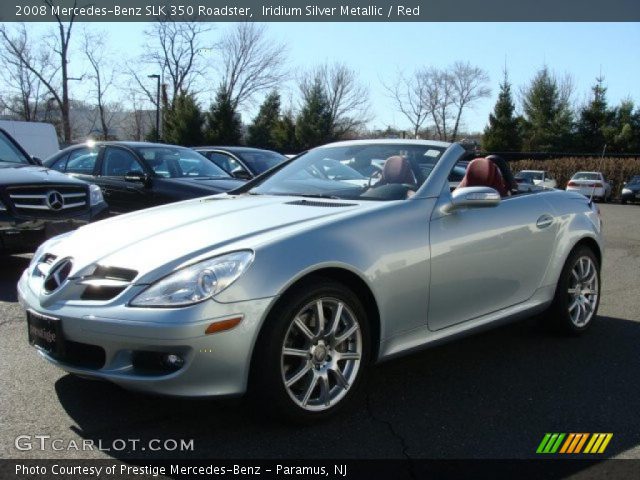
(195,283)
(95,195)
(626,191)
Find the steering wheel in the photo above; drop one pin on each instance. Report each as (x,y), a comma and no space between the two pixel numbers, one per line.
(375,176)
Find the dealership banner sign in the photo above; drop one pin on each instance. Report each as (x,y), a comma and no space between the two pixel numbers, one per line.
(320,10)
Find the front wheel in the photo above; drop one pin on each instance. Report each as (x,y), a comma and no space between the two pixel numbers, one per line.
(313,352)
(577,293)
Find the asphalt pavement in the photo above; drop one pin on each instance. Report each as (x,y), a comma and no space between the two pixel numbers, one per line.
(492,395)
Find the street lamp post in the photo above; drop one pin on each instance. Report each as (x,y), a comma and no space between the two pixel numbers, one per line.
(157,77)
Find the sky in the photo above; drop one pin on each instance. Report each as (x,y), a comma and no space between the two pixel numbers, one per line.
(377,51)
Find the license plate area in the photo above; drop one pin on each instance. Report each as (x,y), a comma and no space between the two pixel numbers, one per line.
(45,333)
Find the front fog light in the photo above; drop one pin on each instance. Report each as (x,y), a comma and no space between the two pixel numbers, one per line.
(173,361)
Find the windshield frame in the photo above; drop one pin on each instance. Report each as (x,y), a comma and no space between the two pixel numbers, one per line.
(4,135)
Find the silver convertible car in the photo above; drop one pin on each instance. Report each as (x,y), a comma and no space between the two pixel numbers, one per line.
(293,285)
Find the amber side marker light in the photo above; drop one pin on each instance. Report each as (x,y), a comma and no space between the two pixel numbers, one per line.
(222,325)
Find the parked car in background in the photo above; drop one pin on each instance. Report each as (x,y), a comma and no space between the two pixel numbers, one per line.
(135,175)
(242,162)
(38,139)
(590,184)
(525,184)
(631,190)
(538,177)
(37,203)
(295,285)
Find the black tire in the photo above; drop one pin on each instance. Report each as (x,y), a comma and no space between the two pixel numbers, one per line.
(623,201)
(558,317)
(269,365)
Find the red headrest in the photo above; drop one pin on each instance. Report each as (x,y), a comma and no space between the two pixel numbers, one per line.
(482,172)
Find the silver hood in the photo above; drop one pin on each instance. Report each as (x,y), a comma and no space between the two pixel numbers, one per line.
(173,234)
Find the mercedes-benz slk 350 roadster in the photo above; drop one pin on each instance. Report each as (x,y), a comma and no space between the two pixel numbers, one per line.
(293,285)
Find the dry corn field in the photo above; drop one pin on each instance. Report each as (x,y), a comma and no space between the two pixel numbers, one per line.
(615,170)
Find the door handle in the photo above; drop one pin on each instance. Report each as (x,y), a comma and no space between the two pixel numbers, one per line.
(544,221)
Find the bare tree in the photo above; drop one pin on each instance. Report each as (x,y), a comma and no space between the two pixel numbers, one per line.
(408,93)
(439,98)
(51,72)
(174,50)
(250,63)
(23,85)
(469,84)
(102,76)
(348,99)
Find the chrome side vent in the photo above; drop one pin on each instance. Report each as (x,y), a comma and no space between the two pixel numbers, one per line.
(106,283)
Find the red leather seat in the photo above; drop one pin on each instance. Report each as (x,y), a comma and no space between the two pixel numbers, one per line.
(482,172)
(397,169)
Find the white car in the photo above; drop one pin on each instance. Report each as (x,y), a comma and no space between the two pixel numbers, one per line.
(590,184)
(539,177)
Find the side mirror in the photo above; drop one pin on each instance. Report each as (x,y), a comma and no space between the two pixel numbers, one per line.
(241,174)
(38,160)
(136,177)
(472,197)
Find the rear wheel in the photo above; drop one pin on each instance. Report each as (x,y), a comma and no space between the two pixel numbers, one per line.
(311,358)
(577,294)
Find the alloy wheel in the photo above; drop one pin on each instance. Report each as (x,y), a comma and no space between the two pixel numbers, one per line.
(321,354)
(583,291)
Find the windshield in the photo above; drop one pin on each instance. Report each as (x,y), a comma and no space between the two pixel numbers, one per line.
(9,152)
(586,176)
(175,162)
(530,175)
(260,162)
(635,180)
(355,172)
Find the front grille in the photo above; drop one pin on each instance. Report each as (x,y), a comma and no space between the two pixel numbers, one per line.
(48,201)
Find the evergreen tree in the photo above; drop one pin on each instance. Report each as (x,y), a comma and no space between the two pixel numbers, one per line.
(223,123)
(313,125)
(183,121)
(503,132)
(595,119)
(153,135)
(623,134)
(284,134)
(548,119)
(261,133)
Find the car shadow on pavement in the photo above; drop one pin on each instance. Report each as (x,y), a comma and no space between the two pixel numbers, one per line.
(492,395)
(11,267)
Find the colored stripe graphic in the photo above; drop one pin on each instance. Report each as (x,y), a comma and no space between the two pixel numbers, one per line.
(574,443)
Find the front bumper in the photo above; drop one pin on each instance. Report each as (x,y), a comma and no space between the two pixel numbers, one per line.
(214,365)
(630,197)
(23,234)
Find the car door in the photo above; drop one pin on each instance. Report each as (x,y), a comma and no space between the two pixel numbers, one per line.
(487,259)
(123,195)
